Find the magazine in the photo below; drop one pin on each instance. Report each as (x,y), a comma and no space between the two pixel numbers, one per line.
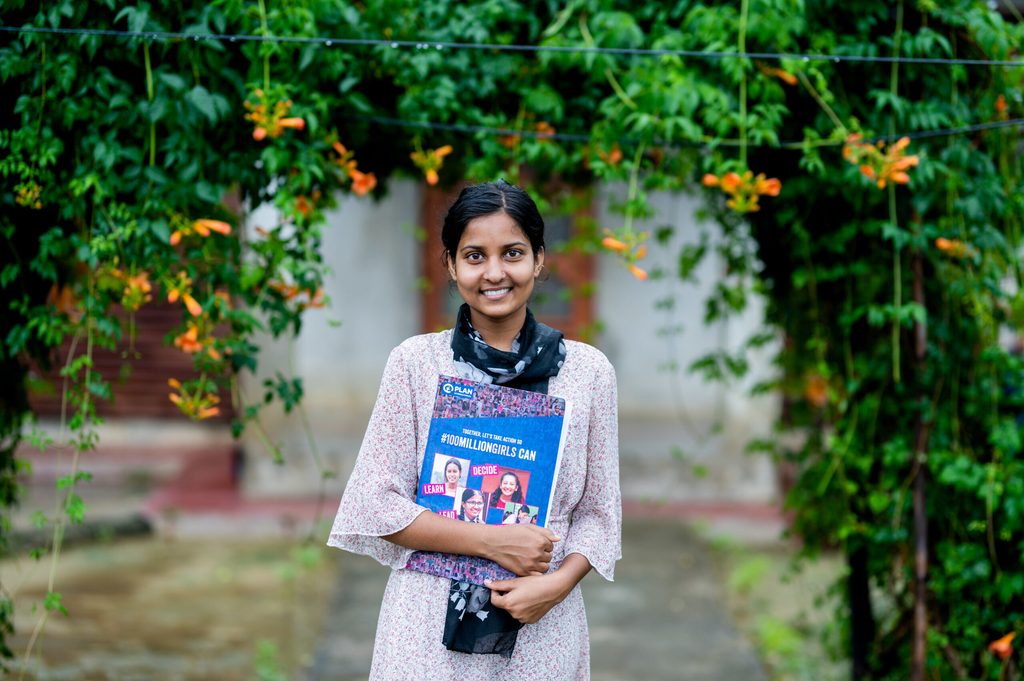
(493,455)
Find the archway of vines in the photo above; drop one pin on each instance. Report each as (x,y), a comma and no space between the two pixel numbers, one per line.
(871,190)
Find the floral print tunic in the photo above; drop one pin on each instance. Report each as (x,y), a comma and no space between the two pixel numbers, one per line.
(380,500)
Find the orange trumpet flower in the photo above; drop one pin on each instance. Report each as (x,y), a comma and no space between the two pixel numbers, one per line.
(1003,647)
(638,272)
(362,183)
(953,247)
(194,308)
(204,226)
(613,244)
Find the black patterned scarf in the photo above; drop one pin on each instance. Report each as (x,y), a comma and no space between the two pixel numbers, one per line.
(472,624)
(537,354)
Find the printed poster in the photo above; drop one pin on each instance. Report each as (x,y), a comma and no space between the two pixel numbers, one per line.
(492,457)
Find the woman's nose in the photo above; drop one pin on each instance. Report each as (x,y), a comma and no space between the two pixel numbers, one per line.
(494,270)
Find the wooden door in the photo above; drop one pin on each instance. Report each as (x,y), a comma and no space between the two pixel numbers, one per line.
(138,380)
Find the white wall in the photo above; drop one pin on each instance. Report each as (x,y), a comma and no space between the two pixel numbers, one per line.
(374,257)
(674,422)
(376,263)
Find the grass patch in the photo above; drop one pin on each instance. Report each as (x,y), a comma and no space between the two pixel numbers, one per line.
(182,609)
(785,612)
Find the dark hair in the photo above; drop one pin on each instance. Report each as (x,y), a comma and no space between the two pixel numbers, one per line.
(454,461)
(517,496)
(488,198)
(468,494)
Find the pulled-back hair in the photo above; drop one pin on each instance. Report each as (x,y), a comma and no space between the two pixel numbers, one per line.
(489,198)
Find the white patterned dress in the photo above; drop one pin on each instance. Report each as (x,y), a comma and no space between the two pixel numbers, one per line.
(380,500)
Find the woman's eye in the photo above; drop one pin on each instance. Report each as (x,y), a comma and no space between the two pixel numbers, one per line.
(474,257)
(514,253)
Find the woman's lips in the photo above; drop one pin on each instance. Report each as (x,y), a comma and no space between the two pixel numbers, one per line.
(496,292)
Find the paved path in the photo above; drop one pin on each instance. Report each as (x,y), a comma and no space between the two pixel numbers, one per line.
(663,618)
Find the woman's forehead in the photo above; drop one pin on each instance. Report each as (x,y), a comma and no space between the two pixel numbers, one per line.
(496,228)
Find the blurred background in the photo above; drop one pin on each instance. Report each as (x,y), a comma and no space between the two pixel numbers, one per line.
(794,229)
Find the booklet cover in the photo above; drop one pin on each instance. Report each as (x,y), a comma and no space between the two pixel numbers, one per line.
(492,456)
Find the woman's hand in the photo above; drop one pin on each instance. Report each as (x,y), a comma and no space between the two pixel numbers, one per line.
(522,549)
(529,598)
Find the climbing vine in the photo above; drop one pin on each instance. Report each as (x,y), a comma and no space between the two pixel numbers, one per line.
(860,198)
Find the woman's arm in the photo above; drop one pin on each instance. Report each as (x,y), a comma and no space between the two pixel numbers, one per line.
(522,549)
(530,598)
(596,527)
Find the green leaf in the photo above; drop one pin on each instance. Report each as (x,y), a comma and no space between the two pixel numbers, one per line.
(53,601)
(200,98)
(9,274)
(75,508)
(172,80)
(68,480)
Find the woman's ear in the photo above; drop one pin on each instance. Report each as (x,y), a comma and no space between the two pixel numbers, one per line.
(450,265)
(539,265)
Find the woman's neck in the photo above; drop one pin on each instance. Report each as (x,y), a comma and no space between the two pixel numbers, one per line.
(499,333)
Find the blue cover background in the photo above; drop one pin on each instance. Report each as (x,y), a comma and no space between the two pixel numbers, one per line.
(539,433)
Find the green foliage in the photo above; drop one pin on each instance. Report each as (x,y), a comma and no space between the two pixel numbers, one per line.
(113,151)
(266,662)
(838,264)
(53,602)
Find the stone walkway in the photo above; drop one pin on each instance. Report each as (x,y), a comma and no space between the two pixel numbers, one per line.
(663,618)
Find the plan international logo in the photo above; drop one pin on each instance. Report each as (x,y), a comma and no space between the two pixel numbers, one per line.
(464,392)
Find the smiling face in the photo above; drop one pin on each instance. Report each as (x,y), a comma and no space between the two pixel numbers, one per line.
(473,506)
(508,485)
(452,473)
(494,269)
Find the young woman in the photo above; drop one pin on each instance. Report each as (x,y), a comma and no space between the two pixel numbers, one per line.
(471,509)
(509,490)
(452,476)
(534,626)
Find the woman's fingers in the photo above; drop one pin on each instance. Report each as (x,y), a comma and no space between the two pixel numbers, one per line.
(523,549)
(499,584)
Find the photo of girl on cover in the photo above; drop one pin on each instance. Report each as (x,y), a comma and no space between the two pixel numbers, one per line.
(450,470)
(470,504)
(518,514)
(508,486)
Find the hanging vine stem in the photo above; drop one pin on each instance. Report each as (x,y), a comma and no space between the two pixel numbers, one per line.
(897,290)
(52,603)
(323,471)
(634,175)
(516,142)
(744,8)
(42,81)
(265,47)
(897,265)
(806,82)
(620,92)
(149,97)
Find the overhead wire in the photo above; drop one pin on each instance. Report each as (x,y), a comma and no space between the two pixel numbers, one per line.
(510,47)
(575,137)
(570,137)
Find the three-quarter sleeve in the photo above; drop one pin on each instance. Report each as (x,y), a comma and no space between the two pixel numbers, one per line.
(379,498)
(595,530)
